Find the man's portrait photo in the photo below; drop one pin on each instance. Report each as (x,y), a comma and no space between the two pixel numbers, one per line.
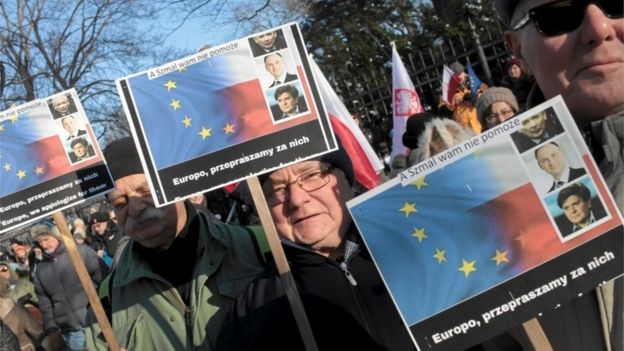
(72,126)
(81,150)
(536,130)
(61,106)
(289,102)
(580,209)
(552,160)
(275,66)
(267,42)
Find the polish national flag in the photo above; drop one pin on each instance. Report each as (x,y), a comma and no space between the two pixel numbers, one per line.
(405,102)
(366,164)
(450,82)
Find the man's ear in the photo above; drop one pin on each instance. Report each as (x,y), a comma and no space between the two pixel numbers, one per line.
(513,42)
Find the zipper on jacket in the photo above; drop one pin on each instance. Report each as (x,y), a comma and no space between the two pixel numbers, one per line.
(350,250)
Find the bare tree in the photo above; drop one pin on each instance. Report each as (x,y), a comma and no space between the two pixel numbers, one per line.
(47,47)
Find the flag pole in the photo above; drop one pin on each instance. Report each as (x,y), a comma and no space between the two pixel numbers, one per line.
(85,280)
(282,265)
(536,334)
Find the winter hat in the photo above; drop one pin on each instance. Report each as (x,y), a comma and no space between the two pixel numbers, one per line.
(512,61)
(492,95)
(451,132)
(38,230)
(98,217)
(414,126)
(122,158)
(399,162)
(505,9)
(456,67)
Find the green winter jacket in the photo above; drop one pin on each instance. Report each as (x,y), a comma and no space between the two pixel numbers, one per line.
(149,314)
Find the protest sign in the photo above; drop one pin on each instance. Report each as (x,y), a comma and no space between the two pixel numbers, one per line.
(226,113)
(478,239)
(50,159)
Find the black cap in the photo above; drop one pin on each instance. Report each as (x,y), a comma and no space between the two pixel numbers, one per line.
(414,127)
(122,158)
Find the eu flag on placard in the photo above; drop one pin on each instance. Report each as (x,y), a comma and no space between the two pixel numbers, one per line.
(453,233)
(475,82)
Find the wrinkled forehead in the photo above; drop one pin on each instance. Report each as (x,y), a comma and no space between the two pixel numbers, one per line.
(288,174)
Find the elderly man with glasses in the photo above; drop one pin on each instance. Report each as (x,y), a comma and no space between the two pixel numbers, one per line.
(344,297)
(576,48)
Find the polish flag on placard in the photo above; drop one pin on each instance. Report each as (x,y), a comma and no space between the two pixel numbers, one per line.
(405,102)
(450,82)
(366,164)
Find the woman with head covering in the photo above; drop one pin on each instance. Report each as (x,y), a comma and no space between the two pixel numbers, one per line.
(495,106)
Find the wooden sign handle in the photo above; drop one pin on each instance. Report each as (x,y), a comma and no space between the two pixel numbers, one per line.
(536,334)
(85,280)
(282,264)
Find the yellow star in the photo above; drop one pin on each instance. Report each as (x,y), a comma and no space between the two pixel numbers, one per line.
(39,170)
(440,255)
(467,267)
(1,127)
(186,121)
(182,69)
(501,256)
(170,85)
(419,183)
(205,132)
(408,208)
(419,234)
(21,174)
(175,104)
(476,154)
(14,118)
(7,166)
(228,129)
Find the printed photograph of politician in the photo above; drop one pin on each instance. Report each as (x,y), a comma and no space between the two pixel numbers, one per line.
(553,164)
(79,149)
(61,106)
(276,69)
(267,42)
(537,129)
(70,127)
(286,101)
(576,208)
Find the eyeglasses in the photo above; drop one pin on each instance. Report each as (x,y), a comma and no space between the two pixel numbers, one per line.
(4,269)
(563,16)
(493,117)
(310,181)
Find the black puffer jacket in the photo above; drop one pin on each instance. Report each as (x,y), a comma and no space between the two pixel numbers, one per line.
(343,316)
(62,299)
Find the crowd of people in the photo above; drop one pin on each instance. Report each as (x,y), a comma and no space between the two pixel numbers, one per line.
(183,277)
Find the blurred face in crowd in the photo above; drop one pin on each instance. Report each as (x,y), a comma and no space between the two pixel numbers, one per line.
(585,65)
(318,218)
(287,103)
(534,127)
(5,272)
(551,159)
(153,228)
(266,40)
(61,104)
(20,251)
(577,210)
(99,228)
(69,124)
(514,71)
(274,64)
(500,111)
(48,243)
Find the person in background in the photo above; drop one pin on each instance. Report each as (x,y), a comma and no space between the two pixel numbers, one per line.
(517,81)
(462,103)
(26,328)
(495,106)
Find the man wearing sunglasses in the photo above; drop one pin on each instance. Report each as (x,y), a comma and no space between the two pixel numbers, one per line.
(576,48)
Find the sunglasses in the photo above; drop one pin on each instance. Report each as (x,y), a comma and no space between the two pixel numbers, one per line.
(4,269)
(563,16)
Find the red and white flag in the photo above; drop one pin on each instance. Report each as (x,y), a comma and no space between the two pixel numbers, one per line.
(405,102)
(366,164)
(450,82)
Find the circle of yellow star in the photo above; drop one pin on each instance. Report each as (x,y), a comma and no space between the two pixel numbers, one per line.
(440,255)
(419,234)
(467,267)
(182,69)
(205,132)
(170,85)
(7,166)
(500,257)
(39,170)
(175,104)
(186,121)
(408,207)
(419,183)
(14,118)
(1,127)
(228,129)
(21,174)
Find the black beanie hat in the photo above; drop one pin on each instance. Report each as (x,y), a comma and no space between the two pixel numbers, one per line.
(414,127)
(122,158)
